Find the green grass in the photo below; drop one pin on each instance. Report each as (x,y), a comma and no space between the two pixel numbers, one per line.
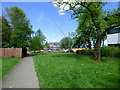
(0,68)
(8,64)
(61,70)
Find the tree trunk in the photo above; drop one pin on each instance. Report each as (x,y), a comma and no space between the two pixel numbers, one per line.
(89,44)
(97,53)
(103,41)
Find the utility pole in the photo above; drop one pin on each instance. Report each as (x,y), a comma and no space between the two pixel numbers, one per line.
(60,28)
(69,41)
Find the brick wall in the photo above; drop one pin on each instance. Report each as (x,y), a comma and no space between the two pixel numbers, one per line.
(9,52)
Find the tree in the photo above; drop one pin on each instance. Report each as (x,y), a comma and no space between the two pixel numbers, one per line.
(94,11)
(85,34)
(37,41)
(21,28)
(41,38)
(34,45)
(0,31)
(6,32)
(64,43)
(46,45)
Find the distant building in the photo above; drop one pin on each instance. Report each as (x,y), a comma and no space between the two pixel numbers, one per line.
(54,46)
(113,37)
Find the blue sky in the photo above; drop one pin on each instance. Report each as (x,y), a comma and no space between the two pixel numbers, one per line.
(43,15)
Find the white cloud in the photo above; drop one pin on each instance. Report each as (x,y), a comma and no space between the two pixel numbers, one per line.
(62,13)
(66,7)
(55,5)
(61,10)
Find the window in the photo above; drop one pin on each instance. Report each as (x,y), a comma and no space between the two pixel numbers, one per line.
(112,31)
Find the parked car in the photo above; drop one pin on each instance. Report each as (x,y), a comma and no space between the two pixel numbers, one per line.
(49,50)
(40,51)
(65,50)
(70,50)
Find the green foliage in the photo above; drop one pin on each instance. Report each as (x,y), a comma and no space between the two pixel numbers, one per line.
(34,45)
(91,18)
(110,51)
(13,57)
(63,70)
(6,33)
(20,28)
(64,43)
(106,51)
(46,45)
(37,41)
(85,52)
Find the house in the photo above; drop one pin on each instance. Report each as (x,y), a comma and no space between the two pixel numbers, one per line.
(54,46)
(113,37)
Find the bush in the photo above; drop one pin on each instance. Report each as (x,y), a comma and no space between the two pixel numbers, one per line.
(85,52)
(106,51)
(110,51)
(77,52)
(89,52)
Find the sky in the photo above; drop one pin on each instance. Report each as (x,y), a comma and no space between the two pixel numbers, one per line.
(43,16)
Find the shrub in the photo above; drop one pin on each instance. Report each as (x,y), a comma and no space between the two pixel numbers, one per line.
(90,52)
(77,52)
(110,51)
(106,51)
(13,57)
(85,52)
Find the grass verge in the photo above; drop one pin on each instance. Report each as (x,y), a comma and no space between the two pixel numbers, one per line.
(8,64)
(63,70)
(0,68)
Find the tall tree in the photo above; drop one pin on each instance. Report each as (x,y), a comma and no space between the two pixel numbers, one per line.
(6,32)
(95,12)
(64,43)
(0,31)
(41,38)
(84,34)
(37,41)
(21,27)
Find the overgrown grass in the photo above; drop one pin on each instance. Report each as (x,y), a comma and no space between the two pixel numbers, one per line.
(61,70)
(8,64)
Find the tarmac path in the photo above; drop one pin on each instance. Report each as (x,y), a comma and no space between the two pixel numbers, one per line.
(22,76)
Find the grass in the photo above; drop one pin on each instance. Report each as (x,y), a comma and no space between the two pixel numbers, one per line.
(0,68)
(61,70)
(8,64)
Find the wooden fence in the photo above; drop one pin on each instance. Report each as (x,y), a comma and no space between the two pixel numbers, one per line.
(9,52)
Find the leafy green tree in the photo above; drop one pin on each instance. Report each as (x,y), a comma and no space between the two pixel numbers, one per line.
(41,38)
(84,34)
(6,32)
(92,11)
(37,41)
(0,30)
(64,43)
(21,28)
(34,45)
(46,45)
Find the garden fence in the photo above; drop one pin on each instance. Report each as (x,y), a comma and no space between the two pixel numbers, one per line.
(11,52)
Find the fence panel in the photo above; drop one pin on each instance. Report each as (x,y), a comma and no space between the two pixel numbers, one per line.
(9,52)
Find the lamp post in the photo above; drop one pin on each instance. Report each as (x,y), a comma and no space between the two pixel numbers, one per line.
(69,41)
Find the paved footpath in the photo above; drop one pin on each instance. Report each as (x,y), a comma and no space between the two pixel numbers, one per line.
(22,76)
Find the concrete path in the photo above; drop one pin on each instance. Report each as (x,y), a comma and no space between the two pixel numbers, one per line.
(22,76)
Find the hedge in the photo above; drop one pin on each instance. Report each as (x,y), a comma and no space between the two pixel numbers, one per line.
(105,51)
